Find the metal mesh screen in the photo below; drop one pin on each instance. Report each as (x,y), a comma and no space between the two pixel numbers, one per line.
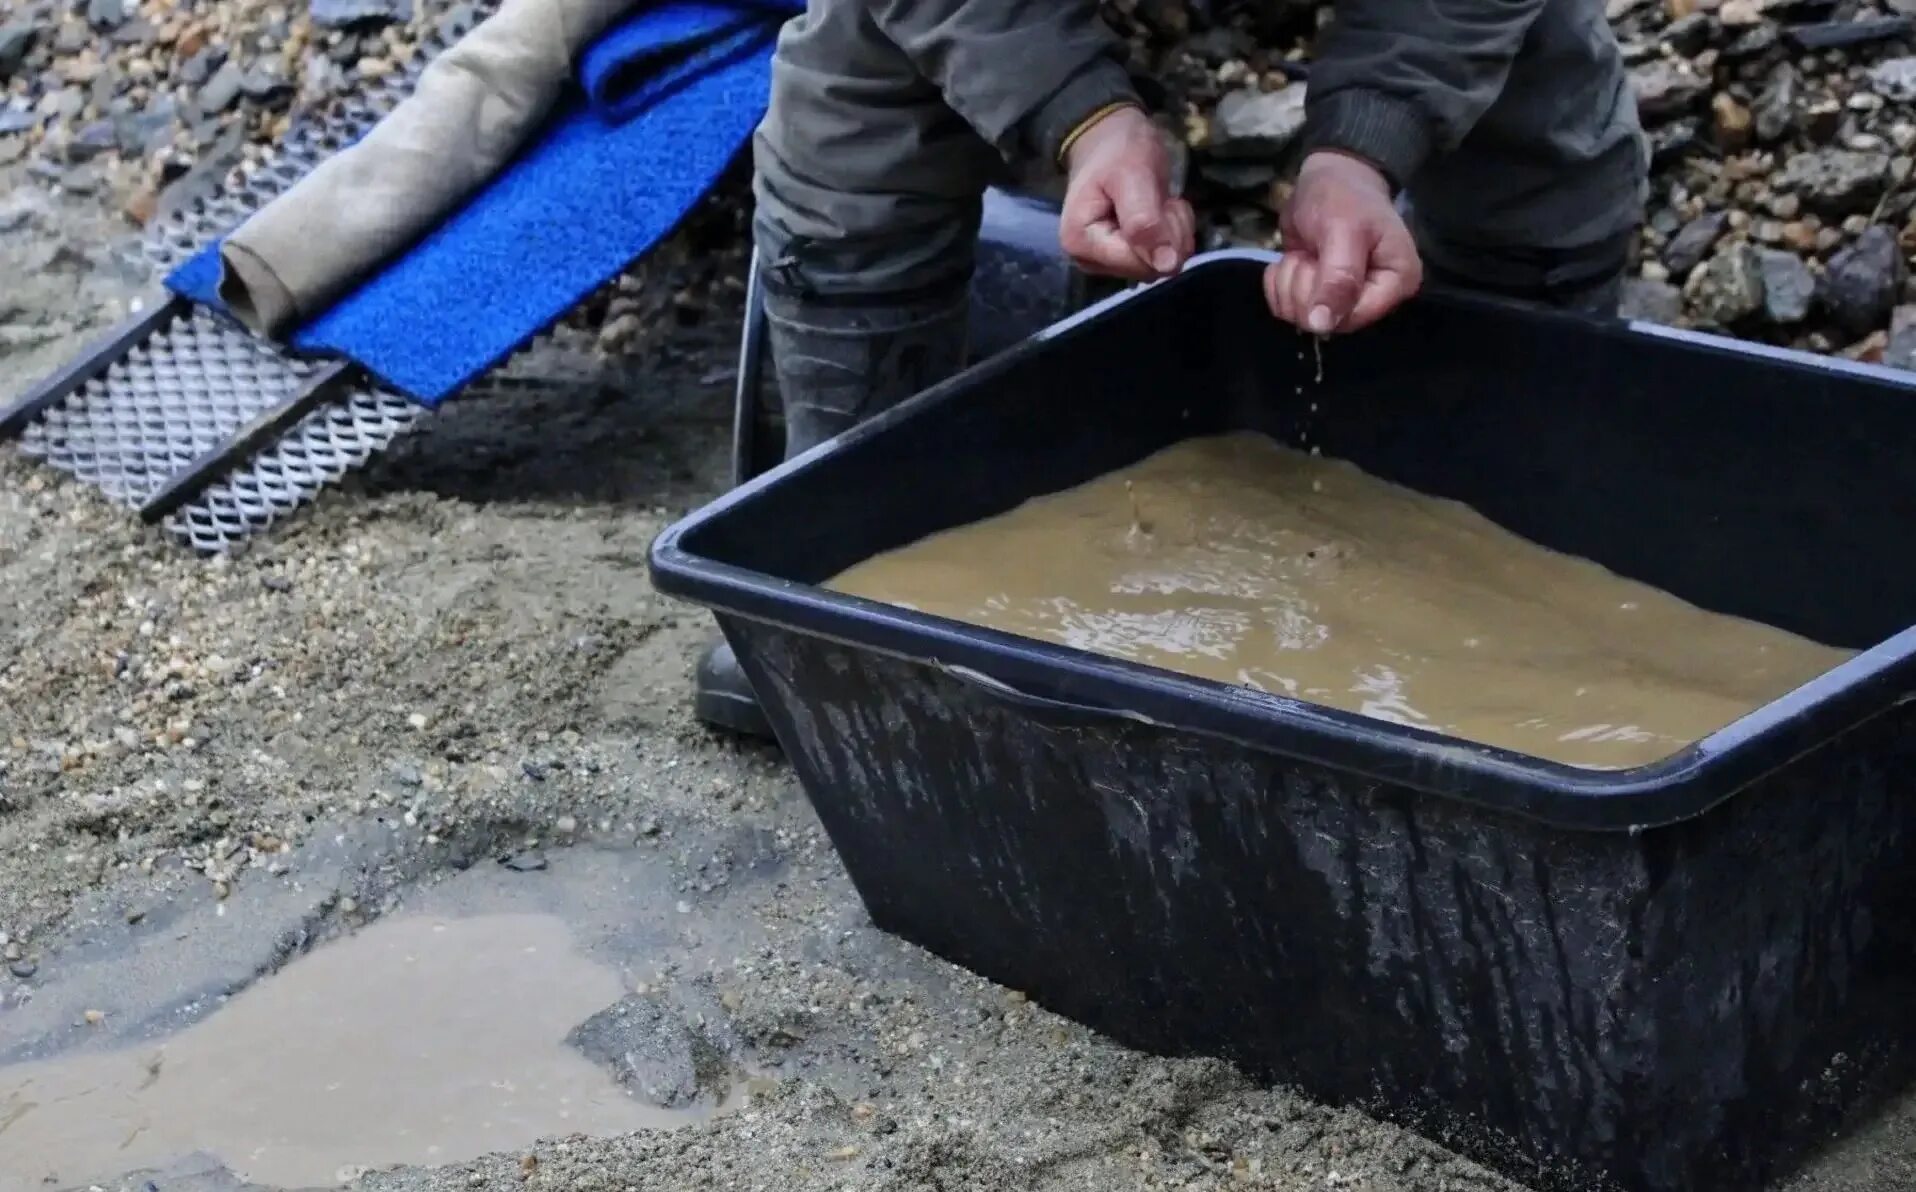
(192,383)
(189,386)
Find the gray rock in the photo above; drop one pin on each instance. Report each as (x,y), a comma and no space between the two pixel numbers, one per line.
(1688,35)
(1894,79)
(106,14)
(16,120)
(148,131)
(1689,246)
(1775,106)
(72,38)
(1863,282)
(137,32)
(68,103)
(1788,286)
(265,82)
(1651,301)
(1666,89)
(344,14)
(652,1052)
(1752,43)
(91,141)
(16,39)
(1253,123)
(1674,141)
(1901,352)
(1831,35)
(530,861)
(1728,288)
(1837,181)
(223,89)
(200,67)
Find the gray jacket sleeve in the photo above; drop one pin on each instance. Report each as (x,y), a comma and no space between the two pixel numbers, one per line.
(1398,80)
(1023,73)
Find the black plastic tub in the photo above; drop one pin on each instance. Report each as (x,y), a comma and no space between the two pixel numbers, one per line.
(1681,976)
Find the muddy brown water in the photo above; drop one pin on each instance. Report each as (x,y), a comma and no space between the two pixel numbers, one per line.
(417,1040)
(1235,559)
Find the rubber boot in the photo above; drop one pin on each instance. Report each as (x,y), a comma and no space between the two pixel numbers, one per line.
(838,363)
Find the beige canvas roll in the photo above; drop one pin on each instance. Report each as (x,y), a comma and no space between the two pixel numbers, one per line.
(474,107)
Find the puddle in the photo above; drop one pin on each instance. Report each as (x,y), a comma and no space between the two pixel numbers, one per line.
(417,1041)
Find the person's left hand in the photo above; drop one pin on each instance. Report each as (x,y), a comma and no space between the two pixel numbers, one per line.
(1120,218)
(1348,258)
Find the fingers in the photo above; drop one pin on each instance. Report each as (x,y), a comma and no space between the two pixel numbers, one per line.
(1088,232)
(1397,273)
(1343,263)
(1287,286)
(1139,199)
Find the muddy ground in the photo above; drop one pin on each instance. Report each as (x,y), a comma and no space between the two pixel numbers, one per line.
(208,767)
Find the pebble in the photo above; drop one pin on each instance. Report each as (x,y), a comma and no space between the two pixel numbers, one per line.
(1651,301)
(1775,108)
(1728,288)
(106,14)
(23,969)
(1733,122)
(1900,352)
(1666,89)
(223,89)
(529,861)
(1788,287)
(1689,246)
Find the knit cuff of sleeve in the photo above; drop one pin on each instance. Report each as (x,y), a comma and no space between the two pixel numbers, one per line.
(1086,97)
(1386,131)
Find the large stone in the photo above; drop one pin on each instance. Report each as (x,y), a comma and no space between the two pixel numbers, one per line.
(1667,88)
(16,39)
(1253,123)
(1788,286)
(1836,35)
(343,14)
(1894,79)
(1837,181)
(652,1051)
(1728,288)
(1863,282)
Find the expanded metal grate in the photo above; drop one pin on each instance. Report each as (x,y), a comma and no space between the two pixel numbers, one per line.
(196,382)
(177,395)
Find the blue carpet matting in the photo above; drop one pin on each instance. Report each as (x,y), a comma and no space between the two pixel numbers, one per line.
(669,97)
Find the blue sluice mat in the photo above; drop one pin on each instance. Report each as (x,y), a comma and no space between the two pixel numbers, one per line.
(668,99)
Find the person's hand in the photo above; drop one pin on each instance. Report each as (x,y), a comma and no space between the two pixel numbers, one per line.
(1120,218)
(1348,258)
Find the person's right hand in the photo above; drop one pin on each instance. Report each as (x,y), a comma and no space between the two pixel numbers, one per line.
(1348,258)
(1120,218)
